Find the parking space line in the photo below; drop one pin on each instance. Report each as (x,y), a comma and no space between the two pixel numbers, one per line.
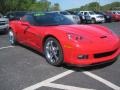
(65,87)
(40,84)
(106,82)
(48,82)
(6,47)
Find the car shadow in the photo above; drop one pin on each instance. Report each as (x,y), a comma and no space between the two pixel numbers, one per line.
(88,68)
(32,50)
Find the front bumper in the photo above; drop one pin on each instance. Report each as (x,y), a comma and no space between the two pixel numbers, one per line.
(100,20)
(3,27)
(108,56)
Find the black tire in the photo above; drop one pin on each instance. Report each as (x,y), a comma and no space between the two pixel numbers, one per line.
(53,52)
(93,21)
(11,37)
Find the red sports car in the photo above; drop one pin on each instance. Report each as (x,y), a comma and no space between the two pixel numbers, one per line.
(62,41)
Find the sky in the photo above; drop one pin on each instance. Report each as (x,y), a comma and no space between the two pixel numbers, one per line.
(69,4)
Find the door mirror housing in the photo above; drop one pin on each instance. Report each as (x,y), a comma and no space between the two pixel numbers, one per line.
(25,23)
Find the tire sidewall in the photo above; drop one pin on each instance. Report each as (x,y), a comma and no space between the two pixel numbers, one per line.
(14,41)
(93,21)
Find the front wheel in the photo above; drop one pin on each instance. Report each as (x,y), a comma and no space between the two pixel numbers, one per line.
(11,38)
(53,52)
(93,21)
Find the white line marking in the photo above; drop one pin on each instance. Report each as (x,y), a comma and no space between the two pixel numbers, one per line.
(6,47)
(65,87)
(38,85)
(106,82)
(49,84)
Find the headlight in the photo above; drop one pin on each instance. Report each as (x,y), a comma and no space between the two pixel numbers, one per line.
(74,37)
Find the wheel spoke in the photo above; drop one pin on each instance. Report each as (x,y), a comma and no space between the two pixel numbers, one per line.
(52,51)
(56,58)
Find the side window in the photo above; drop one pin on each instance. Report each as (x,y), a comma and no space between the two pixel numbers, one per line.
(114,13)
(86,13)
(81,13)
(62,13)
(28,18)
(10,15)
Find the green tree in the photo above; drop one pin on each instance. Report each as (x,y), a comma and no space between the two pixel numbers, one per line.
(55,7)
(14,5)
(112,6)
(42,5)
(94,6)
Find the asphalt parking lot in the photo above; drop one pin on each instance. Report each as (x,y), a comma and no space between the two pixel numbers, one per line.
(24,69)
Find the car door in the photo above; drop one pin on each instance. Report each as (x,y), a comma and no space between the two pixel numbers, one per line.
(30,32)
(86,14)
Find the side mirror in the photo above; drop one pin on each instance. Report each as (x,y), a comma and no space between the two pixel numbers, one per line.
(25,23)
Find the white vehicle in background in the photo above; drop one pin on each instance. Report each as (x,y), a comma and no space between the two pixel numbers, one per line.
(4,23)
(94,18)
(74,18)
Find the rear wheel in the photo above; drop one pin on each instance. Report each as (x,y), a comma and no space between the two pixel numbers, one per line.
(53,52)
(11,37)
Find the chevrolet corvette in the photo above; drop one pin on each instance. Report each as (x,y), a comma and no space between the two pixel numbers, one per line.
(63,41)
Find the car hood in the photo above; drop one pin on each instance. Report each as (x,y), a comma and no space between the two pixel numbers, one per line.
(3,19)
(94,35)
(95,15)
(86,30)
(71,16)
(91,32)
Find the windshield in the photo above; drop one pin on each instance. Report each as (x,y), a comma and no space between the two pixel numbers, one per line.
(91,13)
(118,12)
(51,19)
